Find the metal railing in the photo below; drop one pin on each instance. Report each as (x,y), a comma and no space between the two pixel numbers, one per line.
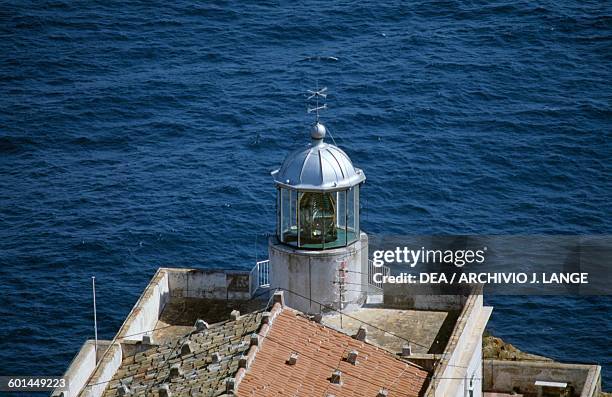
(260,276)
(263,268)
(372,270)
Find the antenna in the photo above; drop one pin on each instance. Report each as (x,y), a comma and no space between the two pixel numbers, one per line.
(93,286)
(317,93)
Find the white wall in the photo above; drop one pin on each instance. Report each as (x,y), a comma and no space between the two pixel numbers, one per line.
(309,277)
(210,284)
(146,311)
(81,367)
(474,371)
(106,370)
(463,355)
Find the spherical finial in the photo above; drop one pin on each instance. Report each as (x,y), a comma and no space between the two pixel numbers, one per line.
(318,131)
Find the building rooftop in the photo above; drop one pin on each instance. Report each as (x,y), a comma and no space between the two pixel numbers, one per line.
(427,330)
(321,351)
(281,352)
(203,360)
(180,314)
(192,362)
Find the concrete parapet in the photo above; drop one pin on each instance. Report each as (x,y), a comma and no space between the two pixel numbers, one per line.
(82,366)
(146,311)
(520,376)
(209,284)
(166,284)
(105,370)
(461,360)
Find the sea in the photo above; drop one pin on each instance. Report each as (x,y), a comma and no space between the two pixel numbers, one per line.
(141,134)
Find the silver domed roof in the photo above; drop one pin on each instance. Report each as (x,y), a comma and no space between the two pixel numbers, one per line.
(318,167)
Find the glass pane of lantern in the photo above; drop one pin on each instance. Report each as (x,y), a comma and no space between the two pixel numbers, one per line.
(278,212)
(317,213)
(350,210)
(298,217)
(284,214)
(341,218)
(341,209)
(357,210)
(293,215)
(288,216)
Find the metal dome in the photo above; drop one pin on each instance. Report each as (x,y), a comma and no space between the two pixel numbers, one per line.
(319,167)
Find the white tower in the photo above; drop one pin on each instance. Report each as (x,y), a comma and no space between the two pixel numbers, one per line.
(319,254)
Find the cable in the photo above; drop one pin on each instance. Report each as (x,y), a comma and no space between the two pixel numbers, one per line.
(336,369)
(398,378)
(274,340)
(268,337)
(354,318)
(178,342)
(369,324)
(304,297)
(156,329)
(322,305)
(330,134)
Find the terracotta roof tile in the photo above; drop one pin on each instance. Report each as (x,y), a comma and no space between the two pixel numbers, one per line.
(321,351)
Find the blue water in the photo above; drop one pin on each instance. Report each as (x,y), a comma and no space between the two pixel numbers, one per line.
(135,135)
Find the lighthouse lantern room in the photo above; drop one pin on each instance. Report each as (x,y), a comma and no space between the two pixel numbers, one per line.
(318,196)
(319,254)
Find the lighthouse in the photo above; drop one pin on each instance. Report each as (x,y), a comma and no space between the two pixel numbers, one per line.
(319,254)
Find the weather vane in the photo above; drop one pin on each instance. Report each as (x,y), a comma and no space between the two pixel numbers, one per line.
(316,94)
